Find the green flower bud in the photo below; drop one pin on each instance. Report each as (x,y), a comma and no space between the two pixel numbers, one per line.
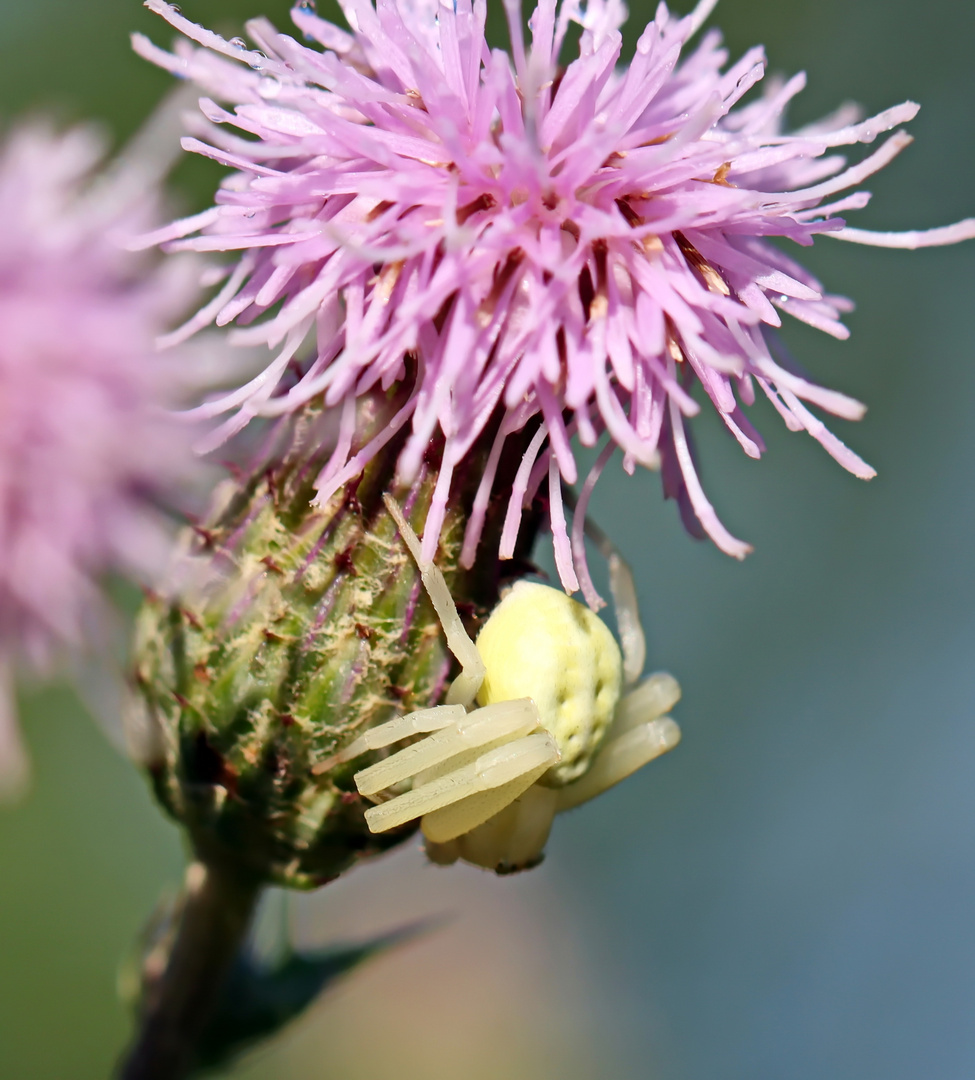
(294,628)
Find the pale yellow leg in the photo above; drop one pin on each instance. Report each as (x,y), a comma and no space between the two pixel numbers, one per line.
(400,727)
(619,758)
(505,720)
(460,817)
(656,695)
(497,767)
(633,642)
(515,838)
(464,689)
(443,854)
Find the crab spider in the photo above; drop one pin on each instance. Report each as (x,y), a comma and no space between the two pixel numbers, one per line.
(558,719)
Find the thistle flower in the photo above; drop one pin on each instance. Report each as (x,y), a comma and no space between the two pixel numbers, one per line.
(85,447)
(571,249)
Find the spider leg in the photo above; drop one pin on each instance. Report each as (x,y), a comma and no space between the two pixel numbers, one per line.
(465,687)
(656,695)
(400,727)
(499,767)
(511,838)
(633,642)
(620,758)
(417,723)
(638,734)
(505,721)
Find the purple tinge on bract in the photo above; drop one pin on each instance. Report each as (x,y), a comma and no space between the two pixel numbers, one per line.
(577,244)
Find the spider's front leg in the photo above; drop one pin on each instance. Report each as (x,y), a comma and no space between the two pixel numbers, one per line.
(470,784)
(464,688)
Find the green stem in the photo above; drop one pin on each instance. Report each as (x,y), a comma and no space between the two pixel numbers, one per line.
(214,921)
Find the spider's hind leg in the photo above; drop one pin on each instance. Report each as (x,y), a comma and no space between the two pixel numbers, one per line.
(512,840)
(623,588)
(639,733)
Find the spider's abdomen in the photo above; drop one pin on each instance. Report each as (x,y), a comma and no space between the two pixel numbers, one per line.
(540,643)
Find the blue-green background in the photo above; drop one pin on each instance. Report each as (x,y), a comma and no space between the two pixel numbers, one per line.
(789,894)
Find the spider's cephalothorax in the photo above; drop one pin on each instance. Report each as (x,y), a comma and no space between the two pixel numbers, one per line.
(543,716)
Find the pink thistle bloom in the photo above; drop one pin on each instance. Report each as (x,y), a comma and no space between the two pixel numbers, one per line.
(86,450)
(572,247)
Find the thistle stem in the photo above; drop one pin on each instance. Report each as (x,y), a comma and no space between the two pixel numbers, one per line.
(214,921)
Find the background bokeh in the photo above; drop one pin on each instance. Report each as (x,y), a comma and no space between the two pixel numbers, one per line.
(790,893)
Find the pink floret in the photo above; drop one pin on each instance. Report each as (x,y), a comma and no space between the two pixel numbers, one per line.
(575,247)
(86,449)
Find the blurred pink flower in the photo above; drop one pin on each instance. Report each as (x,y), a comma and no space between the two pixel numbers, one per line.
(87,451)
(573,246)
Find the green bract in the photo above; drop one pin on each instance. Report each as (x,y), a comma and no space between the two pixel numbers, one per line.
(291,629)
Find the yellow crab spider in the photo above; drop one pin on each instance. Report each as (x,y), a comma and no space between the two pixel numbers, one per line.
(557,721)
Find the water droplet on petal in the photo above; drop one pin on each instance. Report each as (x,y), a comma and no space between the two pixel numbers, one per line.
(176,9)
(237,42)
(250,214)
(258,62)
(268,87)
(307,5)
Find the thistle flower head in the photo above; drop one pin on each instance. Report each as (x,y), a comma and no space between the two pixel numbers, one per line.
(570,249)
(84,446)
